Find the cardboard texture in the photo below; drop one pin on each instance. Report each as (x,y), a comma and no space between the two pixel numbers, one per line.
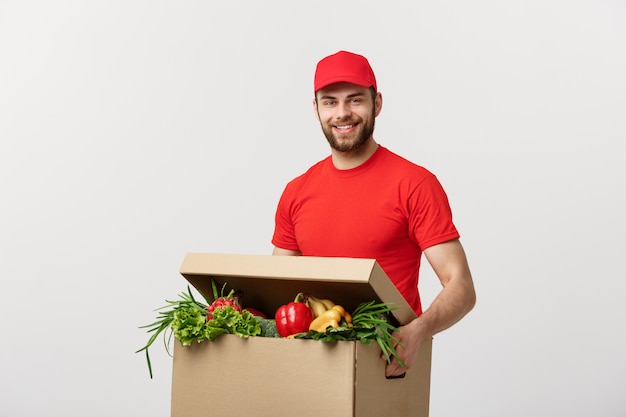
(290,377)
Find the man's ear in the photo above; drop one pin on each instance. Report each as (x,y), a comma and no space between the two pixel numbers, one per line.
(378,104)
(317,114)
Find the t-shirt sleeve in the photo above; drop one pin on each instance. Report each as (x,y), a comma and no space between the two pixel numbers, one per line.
(430,217)
(284,233)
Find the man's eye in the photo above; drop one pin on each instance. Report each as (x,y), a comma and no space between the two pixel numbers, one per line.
(329,103)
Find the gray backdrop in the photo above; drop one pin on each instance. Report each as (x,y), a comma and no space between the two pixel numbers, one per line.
(133,132)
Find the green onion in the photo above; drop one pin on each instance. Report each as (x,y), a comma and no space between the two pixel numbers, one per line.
(166,318)
(370,323)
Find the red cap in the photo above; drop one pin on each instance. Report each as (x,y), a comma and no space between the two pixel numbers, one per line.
(344,67)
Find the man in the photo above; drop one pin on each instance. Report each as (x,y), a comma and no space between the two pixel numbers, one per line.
(363,201)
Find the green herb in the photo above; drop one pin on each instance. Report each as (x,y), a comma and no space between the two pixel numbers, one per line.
(176,310)
(188,320)
(370,323)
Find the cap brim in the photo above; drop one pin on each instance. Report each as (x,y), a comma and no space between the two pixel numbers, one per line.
(342,79)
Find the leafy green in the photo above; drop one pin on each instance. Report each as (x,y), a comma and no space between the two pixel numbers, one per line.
(187,320)
(165,319)
(228,320)
(188,325)
(370,323)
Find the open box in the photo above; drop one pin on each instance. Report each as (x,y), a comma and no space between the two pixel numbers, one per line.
(273,377)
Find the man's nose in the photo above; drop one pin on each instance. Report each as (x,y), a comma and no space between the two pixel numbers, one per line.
(343,111)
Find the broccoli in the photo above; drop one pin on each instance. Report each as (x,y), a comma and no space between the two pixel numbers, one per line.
(268,327)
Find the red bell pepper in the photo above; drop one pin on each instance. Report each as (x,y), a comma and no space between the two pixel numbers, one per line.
(293,318)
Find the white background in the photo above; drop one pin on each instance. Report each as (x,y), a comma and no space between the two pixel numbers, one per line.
(133,132)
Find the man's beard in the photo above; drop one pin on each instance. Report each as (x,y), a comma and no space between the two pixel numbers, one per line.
(366,131)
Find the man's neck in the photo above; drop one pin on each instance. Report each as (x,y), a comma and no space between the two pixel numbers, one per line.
(352,159)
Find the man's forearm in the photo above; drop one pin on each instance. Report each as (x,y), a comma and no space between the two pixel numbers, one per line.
(454,301)
(457,296)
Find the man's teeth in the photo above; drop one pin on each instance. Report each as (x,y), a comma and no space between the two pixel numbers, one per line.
(344,127)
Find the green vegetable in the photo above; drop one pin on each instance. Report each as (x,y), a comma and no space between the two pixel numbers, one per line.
(188,325)
(188,320)
(166,318)
(370,323)
(228,320)
(268,327)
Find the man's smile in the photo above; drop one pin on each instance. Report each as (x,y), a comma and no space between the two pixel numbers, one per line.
(345,128)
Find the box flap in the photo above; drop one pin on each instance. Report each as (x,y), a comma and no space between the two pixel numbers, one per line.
(268,281)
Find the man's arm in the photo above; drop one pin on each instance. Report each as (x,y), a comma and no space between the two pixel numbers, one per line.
(286,252)
(455,300)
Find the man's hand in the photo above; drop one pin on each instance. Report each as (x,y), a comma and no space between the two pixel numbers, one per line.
(410,339)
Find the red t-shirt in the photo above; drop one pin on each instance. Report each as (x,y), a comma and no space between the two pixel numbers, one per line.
(388,209)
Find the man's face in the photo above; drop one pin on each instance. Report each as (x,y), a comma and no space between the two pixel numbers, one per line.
(346,113)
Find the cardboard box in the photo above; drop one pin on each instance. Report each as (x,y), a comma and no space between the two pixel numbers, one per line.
(270,377)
